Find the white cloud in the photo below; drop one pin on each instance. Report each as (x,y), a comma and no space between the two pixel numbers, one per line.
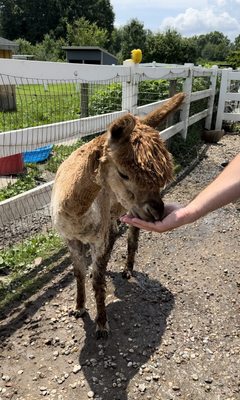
(187,16)
(221,3)
(157,4)
(194,21)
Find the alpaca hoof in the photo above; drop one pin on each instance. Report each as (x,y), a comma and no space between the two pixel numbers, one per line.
(102,332)
(78,313)
(126,274)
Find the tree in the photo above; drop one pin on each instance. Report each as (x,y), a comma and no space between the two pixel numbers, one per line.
(24,47)
(217,38)
(209,52)
(133,36)
(234,59)
(237,43)
(48,50)
(189,50)
(31,20)
(95,11)
(115,42)
(25,19)
(213,46)
(170,47)
(83,33)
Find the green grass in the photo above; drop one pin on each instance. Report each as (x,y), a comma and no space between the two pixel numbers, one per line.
(17,264)
(185,151)
(59,154)
(39,105)
(24,182)
(16,257)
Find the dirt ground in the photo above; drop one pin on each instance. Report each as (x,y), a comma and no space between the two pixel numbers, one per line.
(174,325)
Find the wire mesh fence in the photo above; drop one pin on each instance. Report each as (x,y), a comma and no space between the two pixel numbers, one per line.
(39,102)
(25,227)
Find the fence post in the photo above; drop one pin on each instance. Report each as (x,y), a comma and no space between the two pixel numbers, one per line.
(172,92)
(8,98)
(221,101)
(130,89)
(84,100)
(187,88)
(213,82)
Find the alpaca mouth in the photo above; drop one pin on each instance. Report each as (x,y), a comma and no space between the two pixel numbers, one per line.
(150,211)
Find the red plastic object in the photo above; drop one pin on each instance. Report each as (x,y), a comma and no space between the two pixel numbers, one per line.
(11,165)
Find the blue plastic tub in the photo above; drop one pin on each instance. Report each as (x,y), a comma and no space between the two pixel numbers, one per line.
(37,155)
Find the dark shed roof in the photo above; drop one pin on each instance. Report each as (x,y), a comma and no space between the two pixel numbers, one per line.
(6,44)
(88,54)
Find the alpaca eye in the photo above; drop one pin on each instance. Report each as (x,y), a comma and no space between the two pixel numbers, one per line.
(123,176)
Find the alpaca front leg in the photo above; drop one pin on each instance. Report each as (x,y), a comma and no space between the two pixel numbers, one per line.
(99,286)
(77,251)
(133,236)
(101,254)
(81,294)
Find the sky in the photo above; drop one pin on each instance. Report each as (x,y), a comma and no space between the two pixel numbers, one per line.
(188,17)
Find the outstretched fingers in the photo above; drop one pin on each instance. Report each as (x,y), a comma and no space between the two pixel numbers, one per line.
(139,223)
(174,216)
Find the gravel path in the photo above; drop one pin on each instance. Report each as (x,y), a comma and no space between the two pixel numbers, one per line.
(174,326)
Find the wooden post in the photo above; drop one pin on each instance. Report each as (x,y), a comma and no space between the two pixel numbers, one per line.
(213,82)
(130,89)
(7,92)
(221,101)
(8,98)
(172,92)
(187,88)
(84,100)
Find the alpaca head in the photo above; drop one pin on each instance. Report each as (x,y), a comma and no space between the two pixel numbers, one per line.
(139,165)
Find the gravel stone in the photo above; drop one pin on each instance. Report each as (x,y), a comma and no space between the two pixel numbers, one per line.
(76,369)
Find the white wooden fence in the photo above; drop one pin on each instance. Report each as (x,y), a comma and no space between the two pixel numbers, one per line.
(16,141)
(225,95)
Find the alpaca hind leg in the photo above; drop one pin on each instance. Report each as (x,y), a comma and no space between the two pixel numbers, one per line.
(133,236)
(77,250)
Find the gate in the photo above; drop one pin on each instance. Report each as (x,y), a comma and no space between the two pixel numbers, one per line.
(229,98)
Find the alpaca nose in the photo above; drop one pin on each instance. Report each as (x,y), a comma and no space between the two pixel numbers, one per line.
(153,210)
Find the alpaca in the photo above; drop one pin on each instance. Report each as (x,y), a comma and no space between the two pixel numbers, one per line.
(120,171)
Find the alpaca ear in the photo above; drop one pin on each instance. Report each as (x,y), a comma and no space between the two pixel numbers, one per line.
(121,129)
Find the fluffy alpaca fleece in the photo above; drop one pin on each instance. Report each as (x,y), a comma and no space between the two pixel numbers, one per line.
(121,171)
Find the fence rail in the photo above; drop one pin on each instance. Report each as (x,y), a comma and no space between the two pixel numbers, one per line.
(21,72)
(17,141)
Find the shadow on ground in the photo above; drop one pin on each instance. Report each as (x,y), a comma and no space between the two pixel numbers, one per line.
(29,301)
(137,318)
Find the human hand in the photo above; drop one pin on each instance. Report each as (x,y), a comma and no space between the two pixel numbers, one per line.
(175,215)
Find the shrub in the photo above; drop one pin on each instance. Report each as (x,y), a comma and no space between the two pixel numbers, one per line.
(109,99)
(106,100)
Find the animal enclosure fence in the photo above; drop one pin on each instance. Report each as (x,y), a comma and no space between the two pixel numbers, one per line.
(59,103)
(229,97)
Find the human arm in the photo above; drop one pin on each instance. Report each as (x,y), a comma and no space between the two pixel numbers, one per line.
(223,190)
